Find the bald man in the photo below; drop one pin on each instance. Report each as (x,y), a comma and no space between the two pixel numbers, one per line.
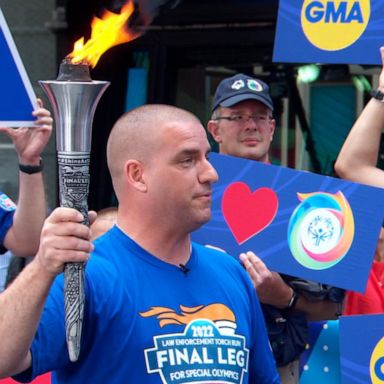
(158,308)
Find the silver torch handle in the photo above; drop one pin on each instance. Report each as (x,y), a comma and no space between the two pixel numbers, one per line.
(73,189)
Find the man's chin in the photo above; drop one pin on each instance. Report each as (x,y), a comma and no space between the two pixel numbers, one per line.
(202,219)
(252,155)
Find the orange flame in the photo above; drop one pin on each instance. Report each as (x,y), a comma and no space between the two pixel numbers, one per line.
(212,312)
(107,32)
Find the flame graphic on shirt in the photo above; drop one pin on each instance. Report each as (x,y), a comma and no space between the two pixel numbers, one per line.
(220,314)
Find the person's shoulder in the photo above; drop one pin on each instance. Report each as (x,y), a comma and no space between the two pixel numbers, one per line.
(102,244)
(212,251)
(103,269)
(109,250)
(216,256)
(103,255)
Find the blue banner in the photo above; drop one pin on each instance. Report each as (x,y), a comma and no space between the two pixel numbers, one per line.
(320,362)
(17,101)
(362,349)
(339,32)
(301,224)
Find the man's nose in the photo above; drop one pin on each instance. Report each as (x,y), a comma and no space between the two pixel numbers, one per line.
(251,124)
(209,173)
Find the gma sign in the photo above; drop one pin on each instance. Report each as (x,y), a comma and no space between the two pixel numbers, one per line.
(376,366)
(334,25)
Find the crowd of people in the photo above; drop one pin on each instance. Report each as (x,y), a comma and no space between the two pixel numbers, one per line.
(159,307)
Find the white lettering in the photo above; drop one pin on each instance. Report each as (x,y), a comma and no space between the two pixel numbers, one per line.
(220,357)
(161,358)
(195,358)
(240,358)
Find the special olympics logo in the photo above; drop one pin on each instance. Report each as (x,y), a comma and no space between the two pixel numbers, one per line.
(334,25)
(254,85)
(376,364)
(321,229)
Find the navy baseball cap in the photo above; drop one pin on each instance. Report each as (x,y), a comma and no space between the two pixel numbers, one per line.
(239,88)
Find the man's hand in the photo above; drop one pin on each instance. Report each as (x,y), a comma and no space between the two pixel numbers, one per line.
(63,239)
(269,286)
(381,77)
(379,252)
(30,142)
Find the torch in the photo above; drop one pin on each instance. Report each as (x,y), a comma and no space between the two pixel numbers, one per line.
(74,97)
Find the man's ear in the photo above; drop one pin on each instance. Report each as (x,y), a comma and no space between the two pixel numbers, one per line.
(214,130)
(272,127)
(134,174)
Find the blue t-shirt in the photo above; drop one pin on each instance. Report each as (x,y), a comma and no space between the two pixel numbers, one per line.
(7,210)
(147,321)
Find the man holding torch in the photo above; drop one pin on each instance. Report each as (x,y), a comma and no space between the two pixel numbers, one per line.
(158,307)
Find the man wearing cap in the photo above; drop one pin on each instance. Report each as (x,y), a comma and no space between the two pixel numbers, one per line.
(242,124)
(242,121)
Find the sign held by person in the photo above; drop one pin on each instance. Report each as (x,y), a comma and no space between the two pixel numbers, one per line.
(329,32)
(300,223)
(361,349)
(18,99)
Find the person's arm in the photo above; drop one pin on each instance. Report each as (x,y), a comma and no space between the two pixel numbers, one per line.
(319,310)
(23,236)
(273,290)
(64,239)
(357,160)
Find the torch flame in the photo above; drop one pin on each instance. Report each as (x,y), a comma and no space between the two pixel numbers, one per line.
(107,32)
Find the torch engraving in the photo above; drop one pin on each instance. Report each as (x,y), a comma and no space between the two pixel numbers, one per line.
(74,180)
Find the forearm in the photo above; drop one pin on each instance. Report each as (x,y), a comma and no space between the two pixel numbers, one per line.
(20,310)
(24,235)
(318,310)
(357,159)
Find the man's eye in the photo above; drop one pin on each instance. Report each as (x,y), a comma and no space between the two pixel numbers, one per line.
(187,160)
(238,118)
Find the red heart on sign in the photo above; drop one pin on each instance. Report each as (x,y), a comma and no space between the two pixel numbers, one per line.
(248,213)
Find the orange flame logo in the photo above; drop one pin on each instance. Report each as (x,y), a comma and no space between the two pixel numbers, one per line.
(167,316)
(108,31)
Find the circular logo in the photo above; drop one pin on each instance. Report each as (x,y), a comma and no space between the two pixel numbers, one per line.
(254,85)
(376,364)
(321,230)
(334,25)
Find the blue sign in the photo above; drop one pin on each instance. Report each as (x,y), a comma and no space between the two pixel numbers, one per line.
(17,100)
(301,224)
(340,32)
(362,349)
(320,362)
